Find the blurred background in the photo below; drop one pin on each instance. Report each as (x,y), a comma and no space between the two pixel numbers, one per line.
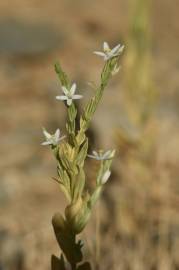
(136,224)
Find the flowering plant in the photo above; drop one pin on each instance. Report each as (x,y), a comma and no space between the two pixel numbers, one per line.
(70,152)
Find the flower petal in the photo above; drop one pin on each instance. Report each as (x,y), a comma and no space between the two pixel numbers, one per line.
(95,153)
(100,54)
(61,97)
(121,49)
(57,134)
(107,154)
(94,157)
(115,49)
(77,96)
(73,89)
(46,134)
(46,143)
(65,90)
(106,47)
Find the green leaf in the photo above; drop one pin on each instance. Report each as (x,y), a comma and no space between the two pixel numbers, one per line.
(82,217)
(70,127)
(66,154)
(80,137)
(66,240)
(95,195)
(57,264)
(72,112)
(82,154)
(93,103)
(78,185)
(66,180)
(60,171)
(65,191)
(62,76)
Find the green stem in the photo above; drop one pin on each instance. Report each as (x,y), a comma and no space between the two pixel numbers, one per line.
(93,103)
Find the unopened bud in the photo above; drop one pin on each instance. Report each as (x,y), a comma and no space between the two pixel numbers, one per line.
(105,177)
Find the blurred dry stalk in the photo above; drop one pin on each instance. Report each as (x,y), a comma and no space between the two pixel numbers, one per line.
(145,212)
(139,90)
(138,131)
(140,94)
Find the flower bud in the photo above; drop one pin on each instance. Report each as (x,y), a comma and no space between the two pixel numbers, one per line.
(105,177)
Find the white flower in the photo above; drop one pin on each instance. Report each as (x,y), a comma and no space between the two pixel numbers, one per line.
(105,177)
(52,139)
(110,53)
(69,95)
(101,155)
